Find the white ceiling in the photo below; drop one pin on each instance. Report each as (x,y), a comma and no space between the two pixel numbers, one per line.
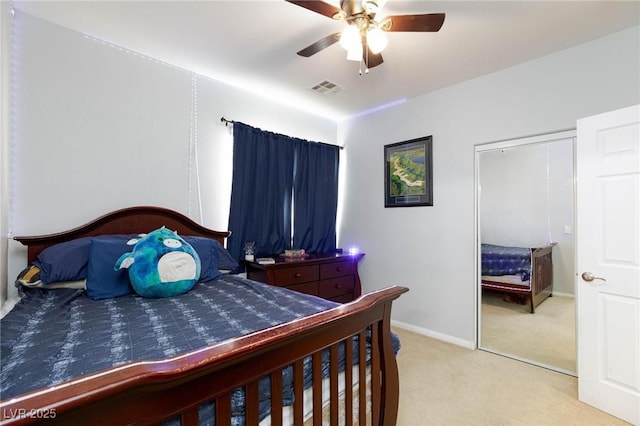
(253,44)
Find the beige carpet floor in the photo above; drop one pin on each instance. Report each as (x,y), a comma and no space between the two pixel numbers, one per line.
(546,337)
(446,384)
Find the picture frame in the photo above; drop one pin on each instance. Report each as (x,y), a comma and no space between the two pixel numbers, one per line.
(408,173)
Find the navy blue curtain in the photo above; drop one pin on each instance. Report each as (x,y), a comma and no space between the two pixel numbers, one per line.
(315,194)
(272,171)
(261,191)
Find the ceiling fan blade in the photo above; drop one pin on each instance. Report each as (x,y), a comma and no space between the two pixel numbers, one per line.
(320,7)
(371,59)
(430,22)
(323,43)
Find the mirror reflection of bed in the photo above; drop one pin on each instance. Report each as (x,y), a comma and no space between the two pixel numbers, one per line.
(526,251)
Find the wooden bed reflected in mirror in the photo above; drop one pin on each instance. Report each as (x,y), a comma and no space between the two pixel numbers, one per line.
(525,211)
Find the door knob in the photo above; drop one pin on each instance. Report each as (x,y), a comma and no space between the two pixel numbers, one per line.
(588,277)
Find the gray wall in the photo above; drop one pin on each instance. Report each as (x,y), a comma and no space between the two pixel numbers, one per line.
(5,37)
(431,249)
(97,128)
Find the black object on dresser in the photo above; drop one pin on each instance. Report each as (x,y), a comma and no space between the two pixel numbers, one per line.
(332,276)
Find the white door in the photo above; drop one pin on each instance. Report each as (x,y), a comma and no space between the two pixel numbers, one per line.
(608,262)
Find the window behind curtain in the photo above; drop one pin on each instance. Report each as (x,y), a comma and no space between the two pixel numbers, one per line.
(315,191)
(273,174)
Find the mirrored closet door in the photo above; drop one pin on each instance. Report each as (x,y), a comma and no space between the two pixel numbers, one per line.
(525,216)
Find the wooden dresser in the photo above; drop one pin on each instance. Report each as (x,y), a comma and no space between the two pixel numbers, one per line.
(332,276)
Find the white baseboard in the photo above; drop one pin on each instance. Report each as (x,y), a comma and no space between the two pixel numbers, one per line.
(434,334)
(558,294)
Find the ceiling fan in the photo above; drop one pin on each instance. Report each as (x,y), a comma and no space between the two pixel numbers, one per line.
(365,36)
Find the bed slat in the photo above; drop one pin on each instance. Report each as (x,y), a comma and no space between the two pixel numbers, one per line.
(375,377)
(223,410)
(252,400)
(298,385)
(276,398)
(348,381)
(190,418)
(317,389)
(362,380)
(333,383)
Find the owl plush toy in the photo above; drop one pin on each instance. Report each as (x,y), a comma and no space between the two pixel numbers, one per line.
(161,264)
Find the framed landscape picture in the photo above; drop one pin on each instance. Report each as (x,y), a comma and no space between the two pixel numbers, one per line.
(408,171)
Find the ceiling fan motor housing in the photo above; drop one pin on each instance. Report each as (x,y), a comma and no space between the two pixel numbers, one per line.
(351,7)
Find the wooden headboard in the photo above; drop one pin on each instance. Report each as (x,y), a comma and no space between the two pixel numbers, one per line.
(131,220)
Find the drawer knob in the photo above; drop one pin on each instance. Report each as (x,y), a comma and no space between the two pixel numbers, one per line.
(338,286)
(339,269)
(297,275)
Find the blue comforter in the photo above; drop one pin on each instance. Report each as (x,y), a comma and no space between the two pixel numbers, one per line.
(501,260)
(55,335)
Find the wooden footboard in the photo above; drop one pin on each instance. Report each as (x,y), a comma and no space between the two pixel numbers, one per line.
(540,284)
(542,275)
(152,392)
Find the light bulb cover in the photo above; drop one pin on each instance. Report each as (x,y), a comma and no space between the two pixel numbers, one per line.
(376,39)
(350,38)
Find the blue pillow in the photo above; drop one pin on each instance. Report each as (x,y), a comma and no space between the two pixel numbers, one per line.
(103,282)
(64,262)
(68,261)
(208,253)
(225,261)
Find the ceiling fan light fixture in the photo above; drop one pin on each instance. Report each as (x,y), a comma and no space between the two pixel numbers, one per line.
(366,28)
(350,38)
(376,39)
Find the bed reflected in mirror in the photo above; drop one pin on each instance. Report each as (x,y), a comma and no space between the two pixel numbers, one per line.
(526,250)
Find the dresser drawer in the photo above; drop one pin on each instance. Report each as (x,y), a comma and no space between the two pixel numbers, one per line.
(296,275)
(337,269)
(333,287)
(308,288)
(332,276)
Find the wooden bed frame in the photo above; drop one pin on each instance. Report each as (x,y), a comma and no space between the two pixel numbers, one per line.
(150,392)
(540,283)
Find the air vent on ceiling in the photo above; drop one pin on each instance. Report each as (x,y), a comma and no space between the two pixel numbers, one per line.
(327,88)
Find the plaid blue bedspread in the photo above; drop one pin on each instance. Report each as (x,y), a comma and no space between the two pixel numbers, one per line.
(52,336)
(501,260)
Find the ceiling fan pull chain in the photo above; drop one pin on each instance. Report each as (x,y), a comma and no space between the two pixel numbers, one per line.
(365,61)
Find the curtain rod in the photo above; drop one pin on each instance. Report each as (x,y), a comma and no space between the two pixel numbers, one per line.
(227,122)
